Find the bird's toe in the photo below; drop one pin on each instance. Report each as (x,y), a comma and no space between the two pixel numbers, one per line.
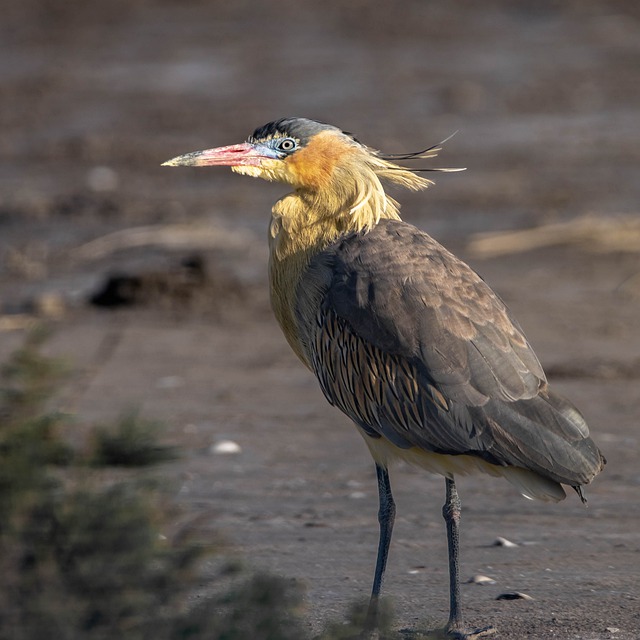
(484,632)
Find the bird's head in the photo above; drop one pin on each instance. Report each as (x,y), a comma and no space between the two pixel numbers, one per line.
(295,151)
(324,165)
(303,153)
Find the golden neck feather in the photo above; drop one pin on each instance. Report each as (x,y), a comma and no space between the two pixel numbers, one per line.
(351,197)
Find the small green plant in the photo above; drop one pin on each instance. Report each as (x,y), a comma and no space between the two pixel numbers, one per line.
(84,557)
(91,564)
(258,606)
(27,380)
(352,627)
(133,443)
(28,434)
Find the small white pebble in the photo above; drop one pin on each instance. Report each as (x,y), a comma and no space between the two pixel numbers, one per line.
(225,447)
(612,629)
(170,382)
(503,542)
(357,495)
(481,580)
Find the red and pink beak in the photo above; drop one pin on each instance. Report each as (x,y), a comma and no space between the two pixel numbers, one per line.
(235,155)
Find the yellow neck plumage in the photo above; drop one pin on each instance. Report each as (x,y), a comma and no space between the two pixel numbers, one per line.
(347,196)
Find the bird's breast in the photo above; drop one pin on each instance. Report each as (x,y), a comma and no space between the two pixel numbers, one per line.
(296,238)
(285,276)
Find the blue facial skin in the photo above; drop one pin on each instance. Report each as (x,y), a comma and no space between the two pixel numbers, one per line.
(278,148)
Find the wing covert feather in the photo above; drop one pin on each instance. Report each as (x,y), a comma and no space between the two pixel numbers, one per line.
(401,291)
(414,347)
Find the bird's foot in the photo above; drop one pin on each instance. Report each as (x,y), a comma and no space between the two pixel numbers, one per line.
(460,634)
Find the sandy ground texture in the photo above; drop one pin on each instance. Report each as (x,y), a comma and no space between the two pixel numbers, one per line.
(546,96)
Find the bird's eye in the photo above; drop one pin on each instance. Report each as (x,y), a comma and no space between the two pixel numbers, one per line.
(287,144)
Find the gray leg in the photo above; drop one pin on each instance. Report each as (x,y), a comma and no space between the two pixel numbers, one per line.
(451,512)
(386,517)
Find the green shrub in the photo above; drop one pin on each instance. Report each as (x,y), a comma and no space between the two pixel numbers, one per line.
(132,443)
(81,557)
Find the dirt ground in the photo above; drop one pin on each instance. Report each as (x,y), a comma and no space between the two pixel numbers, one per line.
(546,98)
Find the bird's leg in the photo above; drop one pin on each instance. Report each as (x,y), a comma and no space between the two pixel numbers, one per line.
(386,517)
(451,511)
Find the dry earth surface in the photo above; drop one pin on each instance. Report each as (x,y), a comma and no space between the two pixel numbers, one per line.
(94,96)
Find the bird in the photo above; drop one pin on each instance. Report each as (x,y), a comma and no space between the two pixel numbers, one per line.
(404,338)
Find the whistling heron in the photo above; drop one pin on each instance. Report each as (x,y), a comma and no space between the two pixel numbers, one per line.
(404,338)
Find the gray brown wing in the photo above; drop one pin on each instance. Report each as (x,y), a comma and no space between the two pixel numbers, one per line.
(412,345)
(403,293)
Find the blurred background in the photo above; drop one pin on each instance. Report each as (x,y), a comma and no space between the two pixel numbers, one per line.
(154,280)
